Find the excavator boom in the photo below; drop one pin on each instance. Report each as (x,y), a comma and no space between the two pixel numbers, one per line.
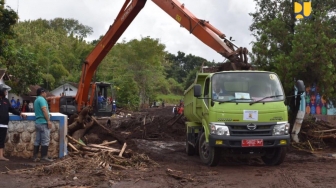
(202,29)
(126,15)
(205,32)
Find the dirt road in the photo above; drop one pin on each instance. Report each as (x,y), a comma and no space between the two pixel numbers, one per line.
(170,166)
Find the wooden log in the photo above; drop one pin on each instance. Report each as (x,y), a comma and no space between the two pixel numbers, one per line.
(324,131)
(90,149)
(78,134)
(83,118)
(73,147)
(122,150)
(119,138)
(103,147)
(108,143)
(74,140)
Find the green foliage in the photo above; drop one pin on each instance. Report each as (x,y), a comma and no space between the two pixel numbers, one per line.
(183,65)
(59,53)
(139,70)
(294,49)
(8,19)
(169,99)
(22,65)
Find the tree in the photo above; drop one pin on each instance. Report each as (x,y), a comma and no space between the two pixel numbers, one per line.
(8,19)
(24,69)
(295,49)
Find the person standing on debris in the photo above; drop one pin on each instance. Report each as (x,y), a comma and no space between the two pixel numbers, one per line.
(175,110)
(114,106)
(5,107)
(42,126)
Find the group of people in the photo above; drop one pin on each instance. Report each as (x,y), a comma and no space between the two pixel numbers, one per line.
(104,102)
(178,110)
(25,107)
(42,122)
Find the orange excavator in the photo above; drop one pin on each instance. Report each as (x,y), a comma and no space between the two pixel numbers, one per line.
(88,92)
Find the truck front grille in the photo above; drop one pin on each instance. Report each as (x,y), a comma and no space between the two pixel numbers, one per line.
(241,130)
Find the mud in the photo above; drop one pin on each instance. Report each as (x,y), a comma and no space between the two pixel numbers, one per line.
(167,164)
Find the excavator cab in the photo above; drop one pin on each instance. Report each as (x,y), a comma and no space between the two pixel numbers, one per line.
(101,103)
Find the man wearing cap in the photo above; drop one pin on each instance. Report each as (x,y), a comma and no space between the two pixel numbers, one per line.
(42,126)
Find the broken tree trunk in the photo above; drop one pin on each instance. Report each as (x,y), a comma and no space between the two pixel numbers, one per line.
(119,138)
(80,122)
(81,132)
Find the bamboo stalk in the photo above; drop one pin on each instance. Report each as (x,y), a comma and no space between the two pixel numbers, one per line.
(122,149)
(72,146)
(74,140)
(324,131)
(108,143)
(310,146)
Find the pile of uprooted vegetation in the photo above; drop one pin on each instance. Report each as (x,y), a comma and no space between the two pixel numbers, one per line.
(316,134)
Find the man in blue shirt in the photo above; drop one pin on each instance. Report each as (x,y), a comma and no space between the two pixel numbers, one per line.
(13,103)
(42,126)
(101,100)
(18,104)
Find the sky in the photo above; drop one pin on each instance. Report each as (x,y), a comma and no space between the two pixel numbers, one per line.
(231,17)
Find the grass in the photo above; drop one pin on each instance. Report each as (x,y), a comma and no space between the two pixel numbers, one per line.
(170,98)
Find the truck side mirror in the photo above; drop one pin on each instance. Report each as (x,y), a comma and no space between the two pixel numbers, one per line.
(300,86)
(197,90)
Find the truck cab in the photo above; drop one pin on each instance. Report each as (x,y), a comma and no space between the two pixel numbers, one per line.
(238,113)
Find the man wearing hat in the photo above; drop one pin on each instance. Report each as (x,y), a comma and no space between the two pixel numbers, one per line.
(42,126)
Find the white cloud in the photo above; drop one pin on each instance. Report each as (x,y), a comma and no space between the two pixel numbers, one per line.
(229,16)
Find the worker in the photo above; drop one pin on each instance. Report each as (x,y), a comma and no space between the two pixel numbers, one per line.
(180,109)
(114,106)
(101,100)
(175,110)
(5,107)
(217,89)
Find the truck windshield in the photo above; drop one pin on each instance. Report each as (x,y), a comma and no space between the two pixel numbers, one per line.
(246,87)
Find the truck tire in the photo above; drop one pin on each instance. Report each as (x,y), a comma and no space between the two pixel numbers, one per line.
(209,155)
(275,157)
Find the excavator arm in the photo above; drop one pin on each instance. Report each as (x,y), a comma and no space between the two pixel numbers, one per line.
(205,32)
(126,15)
(202,29)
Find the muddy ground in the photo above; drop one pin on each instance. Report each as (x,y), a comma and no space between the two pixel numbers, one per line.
(159,160)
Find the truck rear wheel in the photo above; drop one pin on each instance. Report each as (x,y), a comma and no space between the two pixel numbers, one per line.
(275,157)
(209,155)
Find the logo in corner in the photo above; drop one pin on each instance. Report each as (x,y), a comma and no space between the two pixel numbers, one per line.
(302,10)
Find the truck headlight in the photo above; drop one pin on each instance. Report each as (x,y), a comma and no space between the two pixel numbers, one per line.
(219,130)
(281,129)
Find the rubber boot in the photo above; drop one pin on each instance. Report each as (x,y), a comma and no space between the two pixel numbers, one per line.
(44,154)
(36,151)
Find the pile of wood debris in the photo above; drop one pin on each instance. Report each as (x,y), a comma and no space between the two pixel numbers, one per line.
(316,134)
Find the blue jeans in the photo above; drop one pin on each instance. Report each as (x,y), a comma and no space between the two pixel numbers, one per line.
(42,135)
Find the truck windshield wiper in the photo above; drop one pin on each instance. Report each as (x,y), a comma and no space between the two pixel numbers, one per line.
(272,96)
(232,100)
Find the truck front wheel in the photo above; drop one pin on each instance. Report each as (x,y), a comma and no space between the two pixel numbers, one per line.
(275,156)
(209,155)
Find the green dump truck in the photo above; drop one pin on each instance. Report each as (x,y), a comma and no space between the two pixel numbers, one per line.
(237,114)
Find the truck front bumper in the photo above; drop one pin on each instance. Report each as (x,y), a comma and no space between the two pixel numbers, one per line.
(236,141)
